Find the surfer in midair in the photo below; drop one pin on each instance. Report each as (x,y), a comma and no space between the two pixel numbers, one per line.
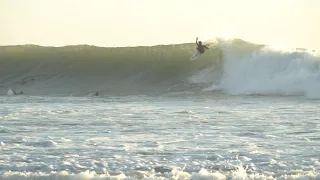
(201,48)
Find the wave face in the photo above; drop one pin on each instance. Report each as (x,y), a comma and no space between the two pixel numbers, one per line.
(232,66)
(79,70)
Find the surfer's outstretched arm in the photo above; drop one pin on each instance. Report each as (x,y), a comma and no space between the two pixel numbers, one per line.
(197,41)
(206,47)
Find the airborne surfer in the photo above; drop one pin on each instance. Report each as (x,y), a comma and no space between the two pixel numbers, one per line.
(201,48)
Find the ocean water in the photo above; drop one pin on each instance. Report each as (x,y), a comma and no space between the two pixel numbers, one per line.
(207,136)
(240,111)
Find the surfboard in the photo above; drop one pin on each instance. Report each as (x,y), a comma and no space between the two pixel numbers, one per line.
(195,56)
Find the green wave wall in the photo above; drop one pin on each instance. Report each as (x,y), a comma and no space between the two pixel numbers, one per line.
(83,69)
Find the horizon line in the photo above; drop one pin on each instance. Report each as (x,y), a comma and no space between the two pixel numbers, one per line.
(168,44)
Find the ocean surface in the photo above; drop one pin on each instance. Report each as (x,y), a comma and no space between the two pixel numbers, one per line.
(240,111)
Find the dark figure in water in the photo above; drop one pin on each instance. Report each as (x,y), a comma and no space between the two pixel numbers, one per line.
(16,93)
(200,47)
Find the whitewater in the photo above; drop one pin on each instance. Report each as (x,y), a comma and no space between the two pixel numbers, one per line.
(240,111)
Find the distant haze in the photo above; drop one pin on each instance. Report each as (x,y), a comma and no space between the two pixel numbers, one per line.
(289,23)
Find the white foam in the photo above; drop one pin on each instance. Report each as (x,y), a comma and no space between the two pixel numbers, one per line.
(212,88)
(269,72)
(46,143)
(203,174)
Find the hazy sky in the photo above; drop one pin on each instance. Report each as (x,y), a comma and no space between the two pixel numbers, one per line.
(292,23)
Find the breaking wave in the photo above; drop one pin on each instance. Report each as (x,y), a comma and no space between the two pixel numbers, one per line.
(230,66)
(269,71)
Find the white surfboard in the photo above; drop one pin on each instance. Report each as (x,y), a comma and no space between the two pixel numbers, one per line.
(195,55)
